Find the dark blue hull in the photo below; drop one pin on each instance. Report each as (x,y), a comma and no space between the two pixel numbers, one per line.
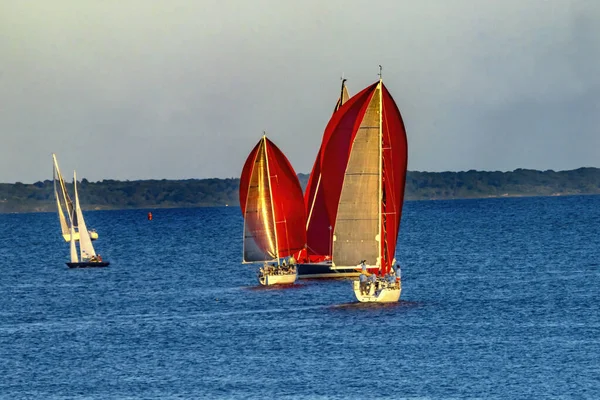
(88,264)
(324,271)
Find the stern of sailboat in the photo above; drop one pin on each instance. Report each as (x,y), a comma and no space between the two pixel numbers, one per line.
(277,276)
(378,292)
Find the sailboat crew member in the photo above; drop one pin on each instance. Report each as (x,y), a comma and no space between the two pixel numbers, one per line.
(363,278)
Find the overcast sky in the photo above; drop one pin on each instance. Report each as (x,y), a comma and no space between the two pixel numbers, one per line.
(137,89)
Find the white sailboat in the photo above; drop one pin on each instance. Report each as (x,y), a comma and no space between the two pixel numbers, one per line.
(365,189)
(88,257)
(64,202)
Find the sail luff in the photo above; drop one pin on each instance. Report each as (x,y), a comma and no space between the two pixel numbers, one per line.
(85,242)
(65,195)
(271,197)
(380,237)
(64,228)
(245,207)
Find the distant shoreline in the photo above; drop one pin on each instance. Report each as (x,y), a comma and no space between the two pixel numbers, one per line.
(237,205)
(192,193)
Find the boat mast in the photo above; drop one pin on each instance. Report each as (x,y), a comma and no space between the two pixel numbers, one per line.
(380,184)
(54,172)
(271,193)
(341,92)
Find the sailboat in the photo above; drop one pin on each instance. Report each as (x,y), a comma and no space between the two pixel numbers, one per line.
(273,209)
(88,258)
(315,260)
(64,202)
(364,167)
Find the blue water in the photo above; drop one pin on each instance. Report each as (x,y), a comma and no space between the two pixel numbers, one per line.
(500,300)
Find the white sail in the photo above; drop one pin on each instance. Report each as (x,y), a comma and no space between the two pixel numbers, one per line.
(61,197)
(357,225)
(64,227)
(85,242)
(74,258)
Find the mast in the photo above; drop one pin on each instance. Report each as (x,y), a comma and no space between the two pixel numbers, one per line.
(271,194)
(54,173)
(341,93)
(380,234)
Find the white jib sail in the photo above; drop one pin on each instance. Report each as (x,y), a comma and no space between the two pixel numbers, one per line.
(74,258)
(64,227)
(85,243)
(62,197)
(61,215)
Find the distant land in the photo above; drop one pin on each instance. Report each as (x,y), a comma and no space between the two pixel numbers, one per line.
(112,194)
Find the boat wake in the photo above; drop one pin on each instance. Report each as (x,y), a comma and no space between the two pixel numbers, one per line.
(260,288)
(360,305)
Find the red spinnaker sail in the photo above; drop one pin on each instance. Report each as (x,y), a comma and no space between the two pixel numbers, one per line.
(339,135)
(318,225)
(395,164)
(272,205)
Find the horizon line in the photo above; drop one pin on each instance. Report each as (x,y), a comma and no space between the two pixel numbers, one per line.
(301,173)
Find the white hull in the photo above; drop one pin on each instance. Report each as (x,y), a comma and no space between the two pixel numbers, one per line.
(381,292)
(269,279)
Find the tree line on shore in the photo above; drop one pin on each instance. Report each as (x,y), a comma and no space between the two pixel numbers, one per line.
(113,194)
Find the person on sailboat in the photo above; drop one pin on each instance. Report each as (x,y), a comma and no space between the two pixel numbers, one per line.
(362,278)
(391,276)
(373,281)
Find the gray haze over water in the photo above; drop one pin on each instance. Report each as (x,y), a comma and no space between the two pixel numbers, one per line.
(141,89)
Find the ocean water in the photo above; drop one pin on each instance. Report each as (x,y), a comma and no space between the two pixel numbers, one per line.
(500,300)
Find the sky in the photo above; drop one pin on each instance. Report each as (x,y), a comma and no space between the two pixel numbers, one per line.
(137,89)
